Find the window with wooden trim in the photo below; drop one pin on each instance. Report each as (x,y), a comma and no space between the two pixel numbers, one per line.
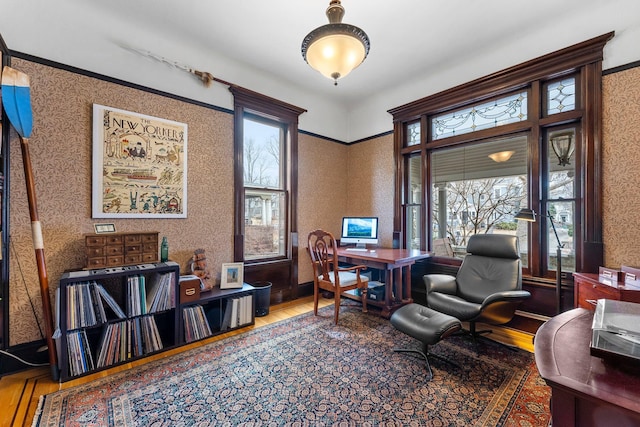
(265,188)
(265,141)
(469,158)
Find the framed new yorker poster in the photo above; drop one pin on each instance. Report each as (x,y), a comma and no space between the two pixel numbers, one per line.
(139,165)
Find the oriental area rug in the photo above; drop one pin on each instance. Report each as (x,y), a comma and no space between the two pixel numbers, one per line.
(306,371)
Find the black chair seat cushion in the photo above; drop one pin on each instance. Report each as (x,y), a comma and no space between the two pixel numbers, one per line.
(424,324)
(454,306)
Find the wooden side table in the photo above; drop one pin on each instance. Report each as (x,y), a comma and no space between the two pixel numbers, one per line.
(591,287)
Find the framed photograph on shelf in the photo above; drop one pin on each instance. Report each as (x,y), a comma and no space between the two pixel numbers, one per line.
(104,228)
(232,275)
(139,165)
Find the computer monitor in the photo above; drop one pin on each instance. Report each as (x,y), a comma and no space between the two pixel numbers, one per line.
(360,230)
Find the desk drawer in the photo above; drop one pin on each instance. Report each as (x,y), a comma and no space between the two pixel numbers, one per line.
(97,262)
(150,248)
(150,238)
(594,291)
(114,239)
(149,257)
(113,261)
(114,250)
(94,252)
(133,249)
(95,241)
(133,259)
(132,239)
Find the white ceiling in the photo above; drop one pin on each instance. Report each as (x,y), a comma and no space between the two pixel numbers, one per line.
(418,47)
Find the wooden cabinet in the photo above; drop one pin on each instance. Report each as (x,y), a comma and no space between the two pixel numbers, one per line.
(589,287)
(116,249)
(111,316)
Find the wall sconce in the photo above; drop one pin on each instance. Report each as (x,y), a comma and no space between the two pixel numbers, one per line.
(530,216)
(563,146)
(335,49)
(501,156)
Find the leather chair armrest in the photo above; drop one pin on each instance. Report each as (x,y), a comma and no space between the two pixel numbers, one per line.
(443,283)
(506,296)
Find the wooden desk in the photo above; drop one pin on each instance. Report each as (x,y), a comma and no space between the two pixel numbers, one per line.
(591,287)
(396,263)
(585,390)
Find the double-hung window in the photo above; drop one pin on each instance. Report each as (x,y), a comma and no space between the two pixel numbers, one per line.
(265,189)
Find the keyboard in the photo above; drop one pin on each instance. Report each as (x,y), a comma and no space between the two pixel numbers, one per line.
(356,249)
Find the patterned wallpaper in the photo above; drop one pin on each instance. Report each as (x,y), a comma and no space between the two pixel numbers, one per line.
(337,180)
(370,183)
(620,159)
(322,195)
(330,184)
(61,155)
(334,180)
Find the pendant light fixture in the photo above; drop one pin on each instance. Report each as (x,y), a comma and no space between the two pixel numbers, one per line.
(335,49)
(563,146)
(501,156)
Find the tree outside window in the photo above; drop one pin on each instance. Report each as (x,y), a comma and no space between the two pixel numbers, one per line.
(474,194)
(264,192)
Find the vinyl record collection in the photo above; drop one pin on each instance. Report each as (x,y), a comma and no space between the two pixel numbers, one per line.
(199,322)
(133,336)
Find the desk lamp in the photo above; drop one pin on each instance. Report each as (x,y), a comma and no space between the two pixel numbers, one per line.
(530,215)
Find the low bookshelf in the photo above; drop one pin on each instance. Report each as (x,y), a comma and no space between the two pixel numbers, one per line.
(217,311)
(107,317)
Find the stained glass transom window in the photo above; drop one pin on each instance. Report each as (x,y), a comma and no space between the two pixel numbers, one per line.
(561,96)
(413,133)
(510,109)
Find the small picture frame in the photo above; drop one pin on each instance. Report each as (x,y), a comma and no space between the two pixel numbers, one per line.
(232,276)
(104,228)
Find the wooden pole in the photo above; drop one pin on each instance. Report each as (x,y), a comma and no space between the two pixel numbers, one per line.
(17,102)
(38,246)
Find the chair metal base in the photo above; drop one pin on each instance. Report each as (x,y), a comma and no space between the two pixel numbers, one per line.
(477,335)
(425,354)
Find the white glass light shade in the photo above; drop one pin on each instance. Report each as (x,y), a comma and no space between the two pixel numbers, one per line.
(336,55)
(335,49)
(501,156)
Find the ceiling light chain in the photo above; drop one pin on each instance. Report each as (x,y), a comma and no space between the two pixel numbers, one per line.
(335,49)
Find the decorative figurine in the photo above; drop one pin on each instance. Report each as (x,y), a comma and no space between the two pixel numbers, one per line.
(198,267)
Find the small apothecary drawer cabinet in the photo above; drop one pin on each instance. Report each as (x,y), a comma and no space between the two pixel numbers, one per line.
(116,249)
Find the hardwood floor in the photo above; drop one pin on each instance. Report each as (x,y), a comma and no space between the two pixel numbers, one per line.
(20,392)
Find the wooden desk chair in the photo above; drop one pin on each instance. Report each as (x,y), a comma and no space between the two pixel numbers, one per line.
(328,276)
